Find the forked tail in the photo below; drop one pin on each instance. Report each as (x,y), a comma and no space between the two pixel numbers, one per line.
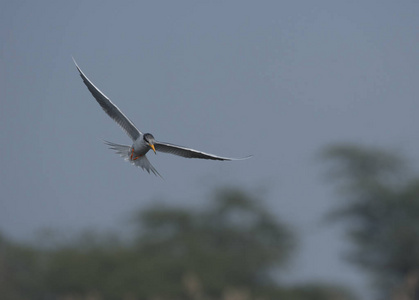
(123,150)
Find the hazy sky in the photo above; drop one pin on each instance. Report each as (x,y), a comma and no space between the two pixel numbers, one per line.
(276,79)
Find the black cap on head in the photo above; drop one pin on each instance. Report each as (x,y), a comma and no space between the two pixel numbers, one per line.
(148,137)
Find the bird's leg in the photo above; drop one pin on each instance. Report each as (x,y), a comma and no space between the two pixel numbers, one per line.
(135,158)
(132,155)
(132,152)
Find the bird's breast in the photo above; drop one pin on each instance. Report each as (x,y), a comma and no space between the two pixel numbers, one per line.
(140,147)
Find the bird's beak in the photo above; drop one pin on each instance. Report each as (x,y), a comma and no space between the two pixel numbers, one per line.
(152,147)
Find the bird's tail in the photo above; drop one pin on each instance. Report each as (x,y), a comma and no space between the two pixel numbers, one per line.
(123,150)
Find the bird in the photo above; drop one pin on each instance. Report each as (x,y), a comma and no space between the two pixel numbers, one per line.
(141,142)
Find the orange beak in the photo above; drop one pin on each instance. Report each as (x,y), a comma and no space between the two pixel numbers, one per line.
(152,147)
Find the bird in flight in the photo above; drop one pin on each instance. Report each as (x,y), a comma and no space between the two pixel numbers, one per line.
(142,142)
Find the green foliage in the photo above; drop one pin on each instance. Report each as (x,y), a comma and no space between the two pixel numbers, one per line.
(228,251)
(20,271)
(234,243)
(381,211)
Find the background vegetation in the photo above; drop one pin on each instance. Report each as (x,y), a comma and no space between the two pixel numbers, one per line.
(234,248)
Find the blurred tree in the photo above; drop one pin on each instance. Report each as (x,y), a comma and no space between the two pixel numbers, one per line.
(228,250)
(20,271)
(381,211)
(234,243)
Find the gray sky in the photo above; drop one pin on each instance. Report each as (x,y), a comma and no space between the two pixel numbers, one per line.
(276,79)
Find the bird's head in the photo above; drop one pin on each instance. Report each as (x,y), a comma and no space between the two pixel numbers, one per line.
(149,139)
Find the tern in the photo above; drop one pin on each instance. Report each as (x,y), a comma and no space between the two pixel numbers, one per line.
(142,142)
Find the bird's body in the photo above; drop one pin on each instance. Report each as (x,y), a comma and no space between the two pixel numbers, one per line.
(140,147)
(141,142)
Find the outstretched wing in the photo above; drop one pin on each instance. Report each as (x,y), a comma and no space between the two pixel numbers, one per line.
(189,153)
(111,109)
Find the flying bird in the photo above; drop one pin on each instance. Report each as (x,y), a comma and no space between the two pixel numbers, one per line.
(142,142)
